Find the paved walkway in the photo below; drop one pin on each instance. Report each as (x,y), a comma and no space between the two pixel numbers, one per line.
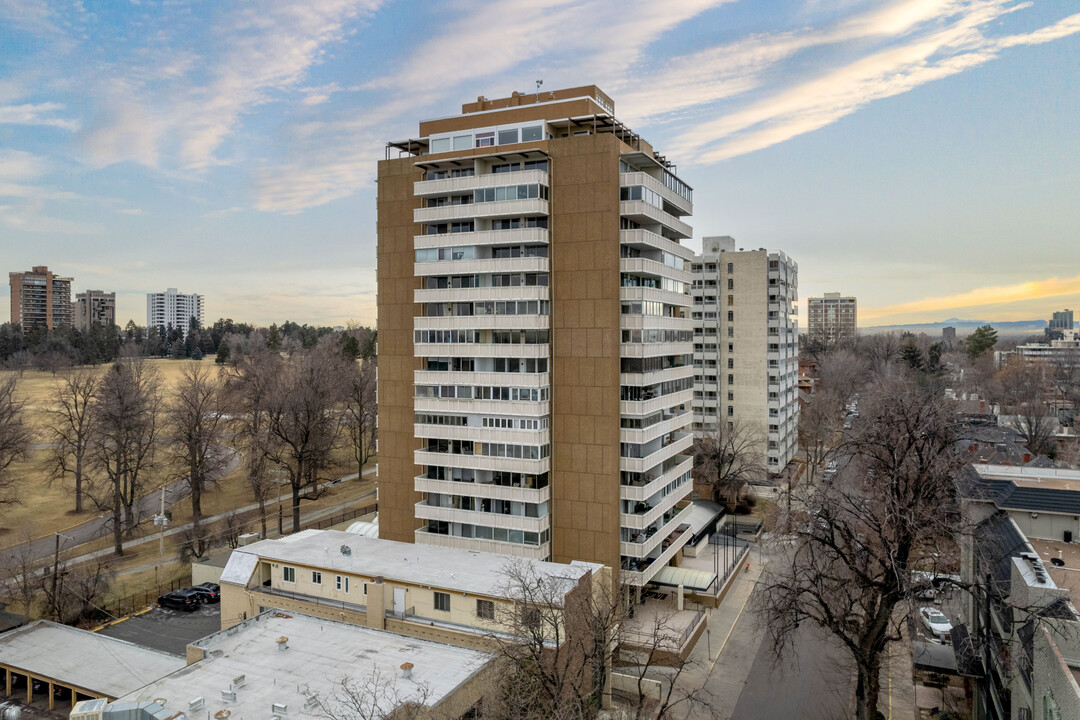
(725,637)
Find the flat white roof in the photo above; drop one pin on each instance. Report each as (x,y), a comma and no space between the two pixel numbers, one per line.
(470,571)
(321,653)
(84,659)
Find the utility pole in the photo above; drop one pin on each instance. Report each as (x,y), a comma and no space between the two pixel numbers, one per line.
(161,533)
(55,573)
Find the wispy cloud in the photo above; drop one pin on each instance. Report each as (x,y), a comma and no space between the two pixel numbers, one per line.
(24,196)
(979,297)
(265,49)
(936,40)
(36,114)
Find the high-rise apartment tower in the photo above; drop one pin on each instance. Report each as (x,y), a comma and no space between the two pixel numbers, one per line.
(40,299)
(746,346)
(94,307)
(535,370)
(831,318)
(173,309)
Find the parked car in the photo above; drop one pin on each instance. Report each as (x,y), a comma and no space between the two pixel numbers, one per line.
(208,592)
(185,599)
(936,623)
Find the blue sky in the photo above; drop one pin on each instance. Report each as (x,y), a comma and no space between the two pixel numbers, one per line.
(919,154)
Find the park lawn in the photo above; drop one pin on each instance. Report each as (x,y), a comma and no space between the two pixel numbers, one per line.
(36,387)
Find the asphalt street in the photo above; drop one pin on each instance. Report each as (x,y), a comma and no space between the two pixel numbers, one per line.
(101,525)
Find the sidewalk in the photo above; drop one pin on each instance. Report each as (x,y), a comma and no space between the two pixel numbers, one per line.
(728,643)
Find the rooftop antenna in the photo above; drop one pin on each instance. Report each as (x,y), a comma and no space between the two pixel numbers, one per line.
(538,84)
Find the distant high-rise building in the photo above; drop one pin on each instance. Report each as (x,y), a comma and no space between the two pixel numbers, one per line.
(746,345)
(948,333)
(535,340)
(94,307)
(831,318)
(173,309)
(40,299)
(1061,322)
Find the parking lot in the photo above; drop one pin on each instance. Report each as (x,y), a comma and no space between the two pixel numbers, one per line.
(167,630)
(947,601)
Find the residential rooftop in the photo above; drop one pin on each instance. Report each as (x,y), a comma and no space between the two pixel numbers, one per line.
(245,672)
(456,569)
(93,662)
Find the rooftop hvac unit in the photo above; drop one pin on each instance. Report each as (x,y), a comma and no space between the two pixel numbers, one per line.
(239,681)
(196,703)
(279,709)
(228,696)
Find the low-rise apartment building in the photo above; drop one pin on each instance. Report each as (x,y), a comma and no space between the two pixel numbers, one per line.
(1019,557)
(445,594)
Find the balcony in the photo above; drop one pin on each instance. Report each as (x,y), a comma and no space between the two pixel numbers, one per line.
(423,511)
(640,350)
(642,212)
(647,407)
(517,236)
(649,239)
(482,434)
(492,350)
(482,462)
(422,483)
(647,488)
(499,208)
(656,376)
(538,552)
(517,292)
(640,465)
(483,322)
(462,185)
(645,568)
(655,294)
(640,178)
(645,515)
(457,377)
(645,266)
(482,266)
(487,407)
(678,421)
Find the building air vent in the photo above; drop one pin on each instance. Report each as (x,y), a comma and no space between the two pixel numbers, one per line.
(196,703)
(239,681)
(228,696)
(346,550)
(279,709)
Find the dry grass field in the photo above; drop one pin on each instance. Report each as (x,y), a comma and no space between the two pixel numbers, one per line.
(46,506)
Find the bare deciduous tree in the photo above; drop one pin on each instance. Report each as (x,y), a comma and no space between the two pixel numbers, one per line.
(820,422)
(70,428)
(19,572)
(850,568)
(1021,389)
(729,458)
(303,416)
(376,696)
(77,591)
(127,408)
(361,411)
(249,386)
(195,416)
(14,437)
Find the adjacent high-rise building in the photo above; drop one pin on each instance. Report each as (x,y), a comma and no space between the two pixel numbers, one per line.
(173,309)
(831,318)
(746,346)
(40,299)
(93,307)
(535,340)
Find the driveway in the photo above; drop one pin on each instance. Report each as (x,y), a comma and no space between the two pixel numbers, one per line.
(166,629)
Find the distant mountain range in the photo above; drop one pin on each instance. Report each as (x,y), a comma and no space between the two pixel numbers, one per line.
(1014,328)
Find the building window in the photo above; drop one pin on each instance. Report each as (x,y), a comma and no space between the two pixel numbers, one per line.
(730,284)
(442,601)
(342,583)
(316,577)
(531,134)
(485,609)
(731,267)
(508,137)
(288,574)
